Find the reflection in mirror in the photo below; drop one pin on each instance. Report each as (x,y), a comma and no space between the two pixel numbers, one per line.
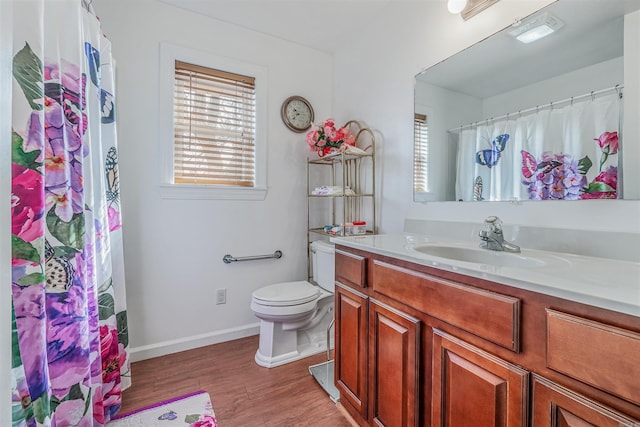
(507,120)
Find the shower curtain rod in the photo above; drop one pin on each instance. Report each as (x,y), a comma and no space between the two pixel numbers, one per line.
(592,94)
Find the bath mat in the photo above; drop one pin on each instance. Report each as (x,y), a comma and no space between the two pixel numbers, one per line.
(193,409)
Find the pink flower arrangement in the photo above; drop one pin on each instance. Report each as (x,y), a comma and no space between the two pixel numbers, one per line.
(325,138)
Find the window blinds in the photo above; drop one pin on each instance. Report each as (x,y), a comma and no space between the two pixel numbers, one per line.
(420,154)
(215,127)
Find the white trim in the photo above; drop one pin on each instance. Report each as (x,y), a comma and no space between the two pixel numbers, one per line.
(6,52)
(169,53)
(201,192)
(424,196)
(188,343)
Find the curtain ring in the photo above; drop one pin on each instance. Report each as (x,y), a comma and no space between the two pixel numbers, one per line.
(537,109)
(551,105)
(571,101)
(619,91)
(593,96)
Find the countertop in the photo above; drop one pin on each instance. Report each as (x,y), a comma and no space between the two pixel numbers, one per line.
(600,282)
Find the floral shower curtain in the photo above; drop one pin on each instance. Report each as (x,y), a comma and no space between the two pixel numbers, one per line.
(69,323)
(566,153)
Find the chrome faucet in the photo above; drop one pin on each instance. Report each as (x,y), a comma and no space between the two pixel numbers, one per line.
(492,237)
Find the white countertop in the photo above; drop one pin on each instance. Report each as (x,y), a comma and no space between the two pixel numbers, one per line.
(601,282)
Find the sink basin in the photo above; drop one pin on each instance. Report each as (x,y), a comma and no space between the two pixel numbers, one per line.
(481,256)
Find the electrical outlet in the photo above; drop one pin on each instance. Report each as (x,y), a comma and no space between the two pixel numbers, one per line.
(221,296)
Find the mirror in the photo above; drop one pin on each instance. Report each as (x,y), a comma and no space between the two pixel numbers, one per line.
(505,120)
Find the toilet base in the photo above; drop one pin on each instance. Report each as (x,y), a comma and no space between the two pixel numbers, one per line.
(303,351)
(280,344)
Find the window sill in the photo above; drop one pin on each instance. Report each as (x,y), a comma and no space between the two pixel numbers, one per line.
(202,192)
(422,197)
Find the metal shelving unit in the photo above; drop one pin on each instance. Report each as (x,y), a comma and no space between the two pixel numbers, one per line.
(348,170)
(354,171)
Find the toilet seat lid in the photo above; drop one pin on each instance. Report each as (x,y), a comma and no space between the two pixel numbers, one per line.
(287,293)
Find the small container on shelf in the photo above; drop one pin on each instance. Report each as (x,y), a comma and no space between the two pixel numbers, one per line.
(355,227)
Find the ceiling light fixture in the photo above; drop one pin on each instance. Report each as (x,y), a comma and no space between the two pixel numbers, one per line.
(468,8)
(536,28)
(456,6)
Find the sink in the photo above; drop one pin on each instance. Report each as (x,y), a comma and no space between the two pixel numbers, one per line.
(481,256)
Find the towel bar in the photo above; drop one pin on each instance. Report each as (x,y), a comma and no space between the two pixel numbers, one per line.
(228,259)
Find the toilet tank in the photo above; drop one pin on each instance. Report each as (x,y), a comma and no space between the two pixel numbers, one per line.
(323,265)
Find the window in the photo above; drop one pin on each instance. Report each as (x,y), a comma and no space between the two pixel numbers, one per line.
(212,126)
(420,154)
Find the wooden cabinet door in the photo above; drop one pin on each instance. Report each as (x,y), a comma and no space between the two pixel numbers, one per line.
(351,335)
(474,388)
(394,366)
(556,406)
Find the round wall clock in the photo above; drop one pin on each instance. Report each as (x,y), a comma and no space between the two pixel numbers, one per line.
(297,113)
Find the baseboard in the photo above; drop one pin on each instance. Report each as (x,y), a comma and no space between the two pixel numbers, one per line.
(188,343)
(346,414)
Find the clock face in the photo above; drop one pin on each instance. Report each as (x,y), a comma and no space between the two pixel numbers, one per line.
(297,113)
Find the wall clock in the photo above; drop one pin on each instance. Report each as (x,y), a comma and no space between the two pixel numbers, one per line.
(297,113)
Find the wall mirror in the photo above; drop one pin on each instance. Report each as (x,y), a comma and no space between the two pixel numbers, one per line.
(508,120)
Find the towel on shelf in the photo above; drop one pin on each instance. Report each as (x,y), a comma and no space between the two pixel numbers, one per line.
(332,190)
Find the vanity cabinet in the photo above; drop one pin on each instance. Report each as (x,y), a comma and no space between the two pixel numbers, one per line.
(474,388)
(446,349)
(394,366)
(376,359)
(377,351)
(351,347)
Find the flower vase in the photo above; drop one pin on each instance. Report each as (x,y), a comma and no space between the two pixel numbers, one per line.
(327,151)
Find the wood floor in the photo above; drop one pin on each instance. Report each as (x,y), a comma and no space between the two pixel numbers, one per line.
(243,394)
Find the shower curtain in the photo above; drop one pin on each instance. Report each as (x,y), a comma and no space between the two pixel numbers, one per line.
(69,323)
(566,153)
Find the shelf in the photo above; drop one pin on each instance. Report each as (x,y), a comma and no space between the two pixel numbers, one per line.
(326,196)
(337,157)
(324,233)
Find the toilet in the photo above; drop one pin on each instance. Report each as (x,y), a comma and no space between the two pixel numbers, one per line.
(294,316)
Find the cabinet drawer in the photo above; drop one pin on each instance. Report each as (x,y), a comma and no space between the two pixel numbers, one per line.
(351,269)
(556,406)
(489,315)
(604,356)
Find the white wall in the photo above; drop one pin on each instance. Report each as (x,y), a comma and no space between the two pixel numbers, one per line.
(174,248)
(596,77)
(445,110)
(631,130)
(374,80)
